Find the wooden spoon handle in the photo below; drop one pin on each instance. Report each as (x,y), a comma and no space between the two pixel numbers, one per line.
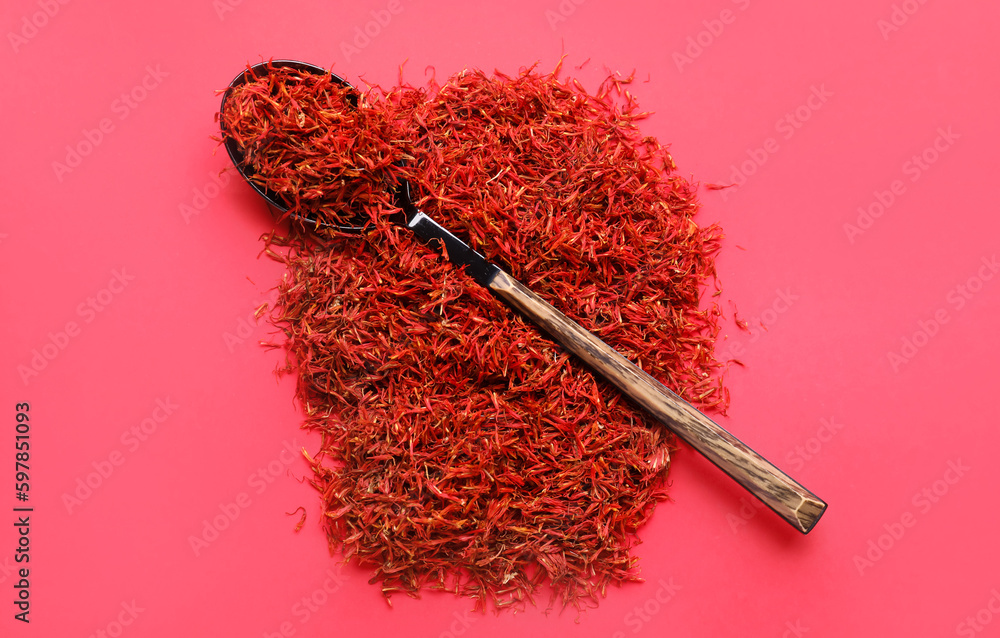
(774,488)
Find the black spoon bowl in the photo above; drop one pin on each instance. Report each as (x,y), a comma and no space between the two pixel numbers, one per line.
(247,170)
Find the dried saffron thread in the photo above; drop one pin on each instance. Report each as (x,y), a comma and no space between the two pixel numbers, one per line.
(462,449)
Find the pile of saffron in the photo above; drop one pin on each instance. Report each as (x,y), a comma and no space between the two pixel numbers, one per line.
(462,448)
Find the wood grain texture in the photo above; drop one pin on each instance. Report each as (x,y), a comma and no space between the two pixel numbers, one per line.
(790,500)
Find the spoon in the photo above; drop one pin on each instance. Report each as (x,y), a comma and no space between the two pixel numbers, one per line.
(236,154)
(787,498)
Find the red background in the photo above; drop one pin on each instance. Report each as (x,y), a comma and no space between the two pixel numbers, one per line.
(872,382)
